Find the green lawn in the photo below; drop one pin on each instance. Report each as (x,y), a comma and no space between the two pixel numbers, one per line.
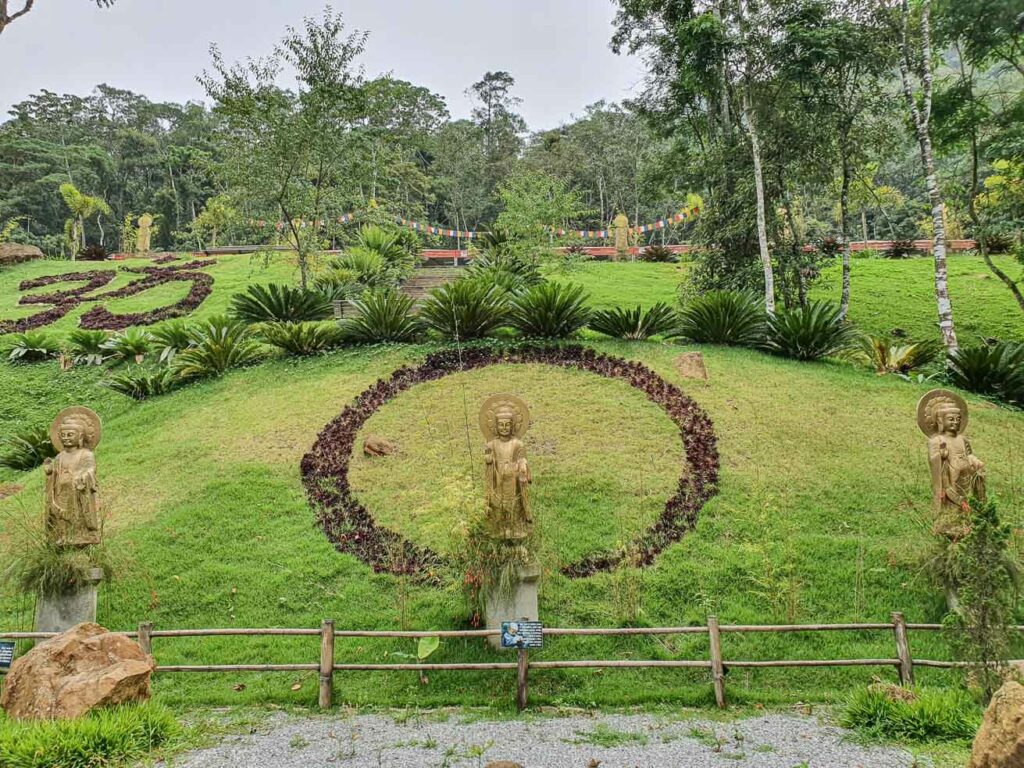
(203,492)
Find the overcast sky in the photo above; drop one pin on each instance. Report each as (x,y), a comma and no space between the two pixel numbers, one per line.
(556,49)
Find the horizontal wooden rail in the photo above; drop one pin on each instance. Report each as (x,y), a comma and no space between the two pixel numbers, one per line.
(238,668)
(816,663)
(801,627)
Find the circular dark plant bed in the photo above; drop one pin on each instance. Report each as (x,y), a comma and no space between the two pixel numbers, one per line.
(352,529)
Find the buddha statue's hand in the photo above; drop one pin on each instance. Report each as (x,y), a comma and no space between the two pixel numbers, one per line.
(48,466)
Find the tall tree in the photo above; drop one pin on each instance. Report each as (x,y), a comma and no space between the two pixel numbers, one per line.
(7,15)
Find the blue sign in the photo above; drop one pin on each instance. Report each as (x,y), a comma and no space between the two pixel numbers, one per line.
(6,655)
(522,634)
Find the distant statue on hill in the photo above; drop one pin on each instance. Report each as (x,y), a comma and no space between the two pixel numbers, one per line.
(145,234)
(504,420)
(957,474)
(72,508)
(620,230)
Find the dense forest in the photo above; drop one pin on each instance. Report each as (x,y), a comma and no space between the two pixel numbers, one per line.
(786,122)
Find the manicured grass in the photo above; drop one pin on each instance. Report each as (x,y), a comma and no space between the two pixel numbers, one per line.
(626,284)
(822,515)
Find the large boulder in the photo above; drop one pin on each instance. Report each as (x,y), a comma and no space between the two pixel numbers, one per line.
(14,253)
(1000,740)
(77,671)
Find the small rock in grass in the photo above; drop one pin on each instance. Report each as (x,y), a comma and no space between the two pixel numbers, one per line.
(375,445)
(1000,740)
(691,366)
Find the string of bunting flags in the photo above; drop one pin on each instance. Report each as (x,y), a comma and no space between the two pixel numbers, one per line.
(431,229)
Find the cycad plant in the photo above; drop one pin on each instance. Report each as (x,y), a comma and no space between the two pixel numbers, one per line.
(810,333)
(284,303)
(130,344)
(301,339)
(27,449)
(996,370)
(550,311)
(723,317)
(140,383)
(382,316)
(218,344)
(465,309)
(886,356)
(88,347)
(170,338)
(32,347)
(635,324)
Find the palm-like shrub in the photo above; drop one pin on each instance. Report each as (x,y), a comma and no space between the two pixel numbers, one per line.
(369,267)
(170,338)
(658,253)
(723,317)
(130,344)
(32,347)
(338,283)
(996,370)
(301,339)
(218,344)
(382,316)
(810,333)
(465,309)
(140,384)
(387,244)
(512,271)
(635,324)
(550,311)
(285,303)
(27,449)
(888,357)
(87,347)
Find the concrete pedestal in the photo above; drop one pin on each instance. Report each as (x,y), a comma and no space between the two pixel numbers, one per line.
(58,613)
(520,605)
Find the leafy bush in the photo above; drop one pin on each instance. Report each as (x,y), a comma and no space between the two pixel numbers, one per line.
(921,715)
(830,247)
(550,311)
(658,253)
(93,253)
(996,370)
(141,384)
(635,324)
(88,347)
(382,316)
(810,333)
(170,338)
(218,344)
(723,317)
(900,249)
(301,339)
(338,284)
(513,271)
(368,266)
(105,737)
(130,344)
(887,357)
(465,309)
(32,347)
(27,449)
(285,303)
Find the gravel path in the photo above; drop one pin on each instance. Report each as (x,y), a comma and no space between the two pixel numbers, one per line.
(608,741)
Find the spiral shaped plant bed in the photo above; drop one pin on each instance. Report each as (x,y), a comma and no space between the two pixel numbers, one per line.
(352,528)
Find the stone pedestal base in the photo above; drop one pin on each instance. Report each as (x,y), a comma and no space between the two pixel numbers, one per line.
(520,605)
(59,613)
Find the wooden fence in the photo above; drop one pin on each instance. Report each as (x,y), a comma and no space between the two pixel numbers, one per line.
(903,662)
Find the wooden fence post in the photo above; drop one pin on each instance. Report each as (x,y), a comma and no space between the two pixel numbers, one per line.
(145,637)
(906,668)
(523,668)
(717,667)
(326,662)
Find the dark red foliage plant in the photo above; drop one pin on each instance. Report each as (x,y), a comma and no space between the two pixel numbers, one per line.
(352,529)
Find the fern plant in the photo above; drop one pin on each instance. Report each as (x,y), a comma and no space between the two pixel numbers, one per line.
(996,370)
(32,347)
(382,316)
(284,303)
(723,317)
(130,344)
(888,357)
(301,339)
(217,345)
(635,324)
(810,333)
(550,311)
(27,449)
(87,347)
(465,309)
(141,384)
(170,338)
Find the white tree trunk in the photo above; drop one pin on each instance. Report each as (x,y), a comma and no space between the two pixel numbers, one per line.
(762,227)
(921,119)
